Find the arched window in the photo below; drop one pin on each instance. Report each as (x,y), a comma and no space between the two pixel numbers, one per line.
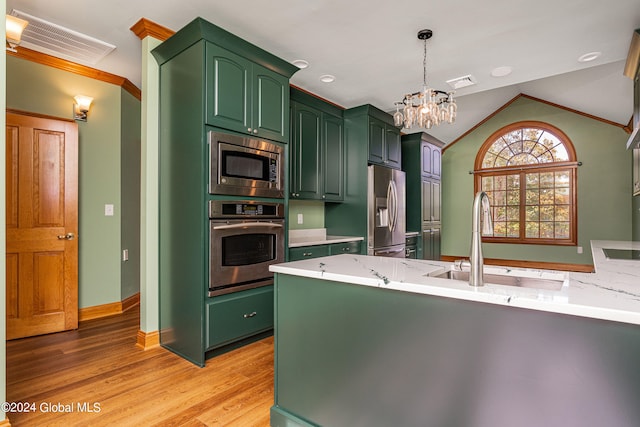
(528,170)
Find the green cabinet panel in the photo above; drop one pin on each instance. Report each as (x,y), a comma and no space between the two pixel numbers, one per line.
(317,152)
(239,315)
(307,252)
(245,97)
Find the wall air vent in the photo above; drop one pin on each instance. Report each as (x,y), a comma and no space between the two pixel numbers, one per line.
(461,82)
(52,39)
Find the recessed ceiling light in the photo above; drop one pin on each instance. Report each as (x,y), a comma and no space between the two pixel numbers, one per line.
(501,71)
(327,78)
(589,56)
(300,63)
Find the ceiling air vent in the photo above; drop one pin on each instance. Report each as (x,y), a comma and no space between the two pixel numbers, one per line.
(461,82)
(52,39)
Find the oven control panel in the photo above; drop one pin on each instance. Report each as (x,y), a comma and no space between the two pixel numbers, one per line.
(245,209)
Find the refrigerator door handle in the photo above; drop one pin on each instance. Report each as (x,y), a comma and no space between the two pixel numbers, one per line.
(394,210)
(390,206)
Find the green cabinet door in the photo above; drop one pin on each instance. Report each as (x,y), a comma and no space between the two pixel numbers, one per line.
(384,144)
(376,141)
(317,154)
(306,155)
(228,89)
(333,165)
(392,146)
(270,104)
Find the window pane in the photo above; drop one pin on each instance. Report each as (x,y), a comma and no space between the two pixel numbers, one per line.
(533,213)
(560,153)
(513,213)
(513,229)
(562,196)
(513,197)
(562,230)
(533,230)
(546,180)
(562,213)
(500,214)
(500,162)
(545,157)
(546,196)
(500,182)
(513,182)
(562,179)
(533,180)
(489,160)
(546,230)
(500,229)
(499,198)
(546,213)
(533,197)
(487,183)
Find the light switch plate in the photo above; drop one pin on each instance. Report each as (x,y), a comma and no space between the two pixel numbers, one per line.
(300,218)
(108,210)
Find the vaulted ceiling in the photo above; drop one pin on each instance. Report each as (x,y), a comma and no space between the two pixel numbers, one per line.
(371,48)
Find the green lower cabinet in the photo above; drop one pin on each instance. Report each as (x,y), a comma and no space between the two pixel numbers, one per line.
(307,252)
(235,316)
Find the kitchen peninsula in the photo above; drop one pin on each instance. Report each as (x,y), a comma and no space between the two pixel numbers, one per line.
(369,341)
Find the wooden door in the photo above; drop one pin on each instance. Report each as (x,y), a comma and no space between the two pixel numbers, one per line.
(42,225)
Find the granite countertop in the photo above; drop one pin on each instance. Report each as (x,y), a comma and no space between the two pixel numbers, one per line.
(611,293)
(316,236)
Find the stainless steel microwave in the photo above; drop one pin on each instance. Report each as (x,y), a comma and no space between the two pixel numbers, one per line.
(245,166)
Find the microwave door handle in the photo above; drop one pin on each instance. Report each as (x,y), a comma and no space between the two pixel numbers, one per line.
(247,225)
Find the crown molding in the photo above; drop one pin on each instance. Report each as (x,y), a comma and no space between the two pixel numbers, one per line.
(146,28)
(72,67)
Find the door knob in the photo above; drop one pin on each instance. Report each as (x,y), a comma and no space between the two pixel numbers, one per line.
(68,236)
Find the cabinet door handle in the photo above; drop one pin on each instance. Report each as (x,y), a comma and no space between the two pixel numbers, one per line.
(307,253)
(248,315)
(68,236)
(347,249)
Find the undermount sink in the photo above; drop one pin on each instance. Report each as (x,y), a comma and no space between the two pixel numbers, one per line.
(504,276)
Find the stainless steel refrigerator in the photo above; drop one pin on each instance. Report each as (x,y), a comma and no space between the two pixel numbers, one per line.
(386,212)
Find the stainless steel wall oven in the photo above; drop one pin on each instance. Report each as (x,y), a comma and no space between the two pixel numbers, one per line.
(246,237)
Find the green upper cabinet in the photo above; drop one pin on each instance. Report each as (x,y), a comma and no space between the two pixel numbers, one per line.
(244,88)
(317,151)
(245,97)
(384,144)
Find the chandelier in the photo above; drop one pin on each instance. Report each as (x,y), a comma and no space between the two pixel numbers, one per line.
(426,108)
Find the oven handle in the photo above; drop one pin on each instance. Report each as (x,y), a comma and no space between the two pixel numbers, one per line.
(247,225)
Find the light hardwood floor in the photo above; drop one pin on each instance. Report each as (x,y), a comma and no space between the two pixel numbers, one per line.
(100,364)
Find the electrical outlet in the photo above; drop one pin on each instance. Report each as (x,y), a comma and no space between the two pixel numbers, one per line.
(300,219)
(125,255)
(108,210)
(579,249)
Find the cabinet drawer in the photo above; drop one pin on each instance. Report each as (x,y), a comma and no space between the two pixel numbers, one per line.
(345,248)
(307,252)
(235,316)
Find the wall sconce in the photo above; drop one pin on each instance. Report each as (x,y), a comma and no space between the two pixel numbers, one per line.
(15,26)
(81,107)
